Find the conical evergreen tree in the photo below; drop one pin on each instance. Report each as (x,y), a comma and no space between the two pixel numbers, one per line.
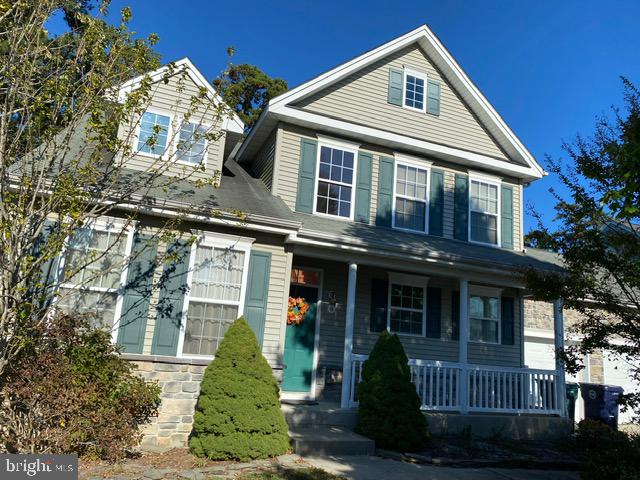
(389,410)
(238,414)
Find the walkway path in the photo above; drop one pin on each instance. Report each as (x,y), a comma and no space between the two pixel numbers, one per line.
(373,468)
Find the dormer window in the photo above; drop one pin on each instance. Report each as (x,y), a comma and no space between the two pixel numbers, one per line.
(414,83)
(153,136)
(334,189)
(192,143)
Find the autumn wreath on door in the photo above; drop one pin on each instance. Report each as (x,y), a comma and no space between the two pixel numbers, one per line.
(298,308)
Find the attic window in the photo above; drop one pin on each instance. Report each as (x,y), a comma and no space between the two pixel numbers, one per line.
(414,85)
(153,136)
(192,143)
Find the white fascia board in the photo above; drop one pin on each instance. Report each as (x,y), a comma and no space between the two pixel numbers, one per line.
(428,40)
(374,135)
(232,123)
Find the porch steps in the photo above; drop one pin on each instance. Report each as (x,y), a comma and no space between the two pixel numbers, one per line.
(325,430)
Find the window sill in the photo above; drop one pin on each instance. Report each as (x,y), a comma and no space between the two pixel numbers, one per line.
(165,359)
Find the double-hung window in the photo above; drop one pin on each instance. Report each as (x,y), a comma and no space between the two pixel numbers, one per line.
(484,211)
(336,173)
(414,90)
(407,305)
(410,200)
(153,136)
(214,301)
(92,272)
(484,318)
(192,143)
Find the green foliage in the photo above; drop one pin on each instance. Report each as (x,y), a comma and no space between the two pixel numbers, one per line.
(609,455)
(238,415)
(69,393)
(598,238)
(247,90)
(540,239)
(389,408)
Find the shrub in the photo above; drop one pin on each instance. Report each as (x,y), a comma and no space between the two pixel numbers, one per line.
(69,393)
(610,455)
(389,410)
(238,415)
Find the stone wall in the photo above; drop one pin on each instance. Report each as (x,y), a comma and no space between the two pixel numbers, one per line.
(180,384)
(539,315)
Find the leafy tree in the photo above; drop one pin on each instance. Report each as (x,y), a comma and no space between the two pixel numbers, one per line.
(389,408)
(540,238)
(598,238)
(238,415)
(247,89)
(66,138)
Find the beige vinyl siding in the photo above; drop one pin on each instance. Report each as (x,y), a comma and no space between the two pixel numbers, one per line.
(362,98)
(286,182)
(263,164)
(173,98)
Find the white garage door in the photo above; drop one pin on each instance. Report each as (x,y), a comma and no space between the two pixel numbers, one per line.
(616,372)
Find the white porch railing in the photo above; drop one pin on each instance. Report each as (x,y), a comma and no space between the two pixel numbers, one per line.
(490,389)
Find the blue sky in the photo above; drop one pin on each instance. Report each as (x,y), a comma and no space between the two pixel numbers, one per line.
(548,67)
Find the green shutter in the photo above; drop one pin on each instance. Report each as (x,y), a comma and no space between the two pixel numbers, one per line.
(455,315)
(385,192)
(433,97)
(434,312)
(255,303)
(40,288)
(436,203)
(137,294)
(508,320)
(379,297)
(394,96)
(306,175)
(506,223)
(172,291)
(461,208)
(363,188)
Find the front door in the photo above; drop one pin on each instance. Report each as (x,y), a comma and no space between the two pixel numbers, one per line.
(299,343)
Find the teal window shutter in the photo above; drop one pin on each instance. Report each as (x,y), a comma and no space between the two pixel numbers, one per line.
(436,203)
(433,97)
(434,312)
(507,320)
(255,304)
(306,175)
(137,294)
(363,187)
(379,296)
(455,315)
(461,208)
(394,96)
(506,222)
(172,291)
(385,192)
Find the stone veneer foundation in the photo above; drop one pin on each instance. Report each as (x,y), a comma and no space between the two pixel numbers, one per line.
(179,380)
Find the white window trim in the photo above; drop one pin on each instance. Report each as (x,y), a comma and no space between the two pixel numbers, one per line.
(411,162)
(220,241)
(205,153)
(345,146)
(417,74)
(413,281)
(483,291)
(170,129)
(490,180)
(103,224)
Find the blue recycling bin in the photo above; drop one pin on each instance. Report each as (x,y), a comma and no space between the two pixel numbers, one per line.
(601,402)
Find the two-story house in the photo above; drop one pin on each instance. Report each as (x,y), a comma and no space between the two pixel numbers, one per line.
(387,194)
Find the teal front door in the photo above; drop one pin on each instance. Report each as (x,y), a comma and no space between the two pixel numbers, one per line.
(299,344)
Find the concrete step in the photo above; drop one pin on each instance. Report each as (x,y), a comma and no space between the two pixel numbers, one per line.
(329,440)
(319,415)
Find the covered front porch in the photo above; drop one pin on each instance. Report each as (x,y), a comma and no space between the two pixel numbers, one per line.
(462,330)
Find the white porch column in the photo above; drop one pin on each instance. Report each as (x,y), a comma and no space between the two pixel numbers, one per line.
(463,359)
(348,335)
(558,330)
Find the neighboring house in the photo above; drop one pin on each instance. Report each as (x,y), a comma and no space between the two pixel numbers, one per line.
(600,367)
(386,192)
